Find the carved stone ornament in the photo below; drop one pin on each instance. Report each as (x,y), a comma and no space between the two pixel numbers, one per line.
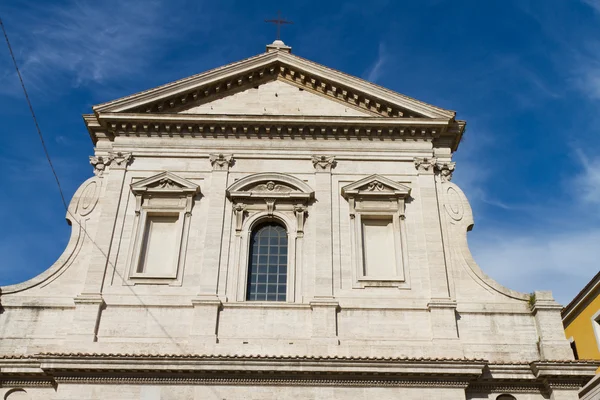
(221,162)
(118,160)
(323,163)
(445,169)
(272,187)
(240,210)
(375,186)
(163,184)
(270,192)
(99,163)
(425,164)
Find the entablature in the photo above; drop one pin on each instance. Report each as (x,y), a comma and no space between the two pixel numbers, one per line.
(189,125)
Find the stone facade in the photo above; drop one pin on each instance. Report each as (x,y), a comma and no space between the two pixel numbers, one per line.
(383,298)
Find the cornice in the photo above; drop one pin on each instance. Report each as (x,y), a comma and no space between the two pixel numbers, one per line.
(275,65)
(46,369)
(588,293)
(110,125)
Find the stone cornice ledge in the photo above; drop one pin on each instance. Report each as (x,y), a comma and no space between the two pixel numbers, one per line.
(292,370)
(108,125)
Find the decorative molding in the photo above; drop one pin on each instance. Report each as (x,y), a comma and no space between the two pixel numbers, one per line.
(287,126)
(453,204)
(89,196)
(310,76)
(425,164)
(240,211)
(161,194)
(99,163)
(270,185)
(323,163)
(377,197)
(221,162)
(274,381)
(375,186)
(300,212)
(445,170)
(118,160)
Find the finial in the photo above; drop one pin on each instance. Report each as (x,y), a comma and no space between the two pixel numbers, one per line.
(278,44)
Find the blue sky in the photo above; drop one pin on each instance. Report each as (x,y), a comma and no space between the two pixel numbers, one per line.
(524,74)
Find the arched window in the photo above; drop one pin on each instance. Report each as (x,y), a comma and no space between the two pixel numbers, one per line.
(506,397)
(267,264)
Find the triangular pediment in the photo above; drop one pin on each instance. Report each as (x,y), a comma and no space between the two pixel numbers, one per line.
(241,87)
(276,97)
(165,183)
(375,185)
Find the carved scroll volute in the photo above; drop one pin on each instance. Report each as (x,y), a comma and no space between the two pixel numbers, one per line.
(240,212)
(300,212)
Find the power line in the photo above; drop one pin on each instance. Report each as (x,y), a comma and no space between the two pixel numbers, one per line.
(37,126)
(74,219)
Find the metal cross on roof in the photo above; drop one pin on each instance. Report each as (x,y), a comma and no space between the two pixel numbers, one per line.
(279,21)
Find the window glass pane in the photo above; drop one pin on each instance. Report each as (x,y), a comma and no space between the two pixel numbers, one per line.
(267,263)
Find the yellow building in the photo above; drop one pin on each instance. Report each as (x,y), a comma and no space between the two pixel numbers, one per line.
(581,319)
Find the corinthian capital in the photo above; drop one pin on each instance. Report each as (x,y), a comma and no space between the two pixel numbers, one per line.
(445,169)
(425,164)
(221,162)
(323,163)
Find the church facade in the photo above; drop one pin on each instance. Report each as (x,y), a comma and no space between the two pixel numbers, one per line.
(275,229)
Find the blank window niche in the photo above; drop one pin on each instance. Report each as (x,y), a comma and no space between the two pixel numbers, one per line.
(160,245)
(379,255)
(161,226)
(378,233)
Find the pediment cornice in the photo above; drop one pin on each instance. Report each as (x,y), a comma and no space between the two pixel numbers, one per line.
(375,186)
(229,79)
(165,183)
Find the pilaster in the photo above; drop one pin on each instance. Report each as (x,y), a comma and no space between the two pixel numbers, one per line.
(89,303)
(214,225)
(205,320)
(324,228)
(86,320)
(324,321)
(432,228)
(552,342)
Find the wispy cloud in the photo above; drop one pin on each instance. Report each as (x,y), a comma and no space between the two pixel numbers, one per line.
(595,4)
(536,261)
(84,42)
(589,178)
(375,71)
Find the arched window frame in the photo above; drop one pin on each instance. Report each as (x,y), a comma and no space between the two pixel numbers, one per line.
(254,222)
(261,198)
